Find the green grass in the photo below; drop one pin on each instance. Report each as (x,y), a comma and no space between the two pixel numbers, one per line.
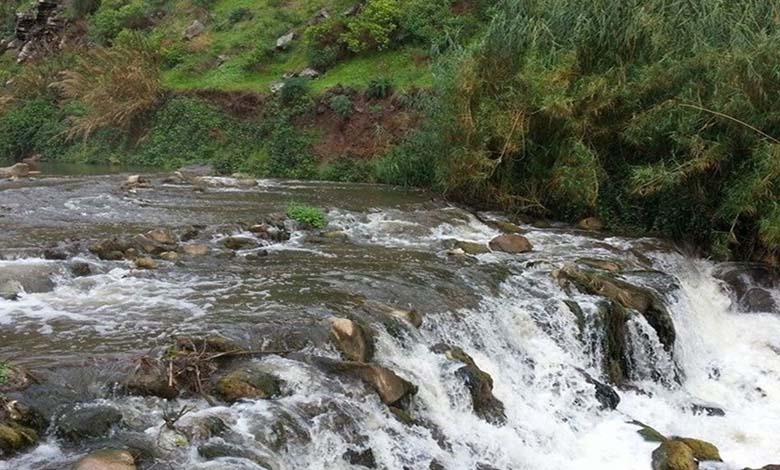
(5,372)
(307,215)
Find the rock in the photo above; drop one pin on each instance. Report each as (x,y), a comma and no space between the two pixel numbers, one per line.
(410,316)
(109,249)
(150,378)
(472,248)
(194,30)
(391,388)
(308,72)
(354,10)
(162,235)
(507,227)
(30,279)
(350,338)
(33,162)
(276,87)
(606,395)
(145,263)
(592,224)
(80,269)
(700,409)
(751,286)
(768,467)
(649,434)
(602,264)
(15,378)
(248,383)
(171,256)
(53,254)
(758,300)
(674,455)
(14,438)
(18,170)
(361,458)
(322,14)
(239,243)
(195,249)
(513,244)
(702,450)
(107,459)
(136,182)
(285,41)
(479,384)
(88,422)
(219,449)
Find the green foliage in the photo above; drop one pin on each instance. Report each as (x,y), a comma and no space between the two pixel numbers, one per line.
(295,92)
(307,215)
(347,170)
(341,105)
(188,130)
(380,88)
(411,164)
(82,8)
(34,126)
(661,117)
(5,372)
(373,28)
(115,15)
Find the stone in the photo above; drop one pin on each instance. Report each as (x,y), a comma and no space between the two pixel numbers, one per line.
(109,250)
(507,227)
(702,450)
(18,170)
(361,458)
(15,437)
(145,263)
(136,182)
(591,224)
(15,378)
(80,269)
(308,72)
(708,410)
(478,382)
(472,248)
(88,422)
(107,459)
(351,340)
(219,449)
(53,254)
(248,383)
(673,455)
(601,264)
(162,235)
(758,300)
(285,41)
(30,279)
(513,244)
(606,395)
(239,243)
(194,30)
(410,316)
(150,378)
(171,256)
(392,389)
(195,249)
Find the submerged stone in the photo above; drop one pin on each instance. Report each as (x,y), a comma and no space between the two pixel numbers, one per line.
(88,422)
(248,383)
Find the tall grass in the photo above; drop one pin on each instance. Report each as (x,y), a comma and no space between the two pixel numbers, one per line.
(658,115)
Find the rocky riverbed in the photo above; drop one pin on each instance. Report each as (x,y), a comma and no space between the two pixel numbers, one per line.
(185,321)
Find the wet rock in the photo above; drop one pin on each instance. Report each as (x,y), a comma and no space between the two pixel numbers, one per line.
(171,256)
(507,227)
(239,243)
(708,410)
(150,378)
(472,248)
(592,224)
(361,458)
(194,30)
(702,450)
(649,434)
(513,244)
(145,263)
(110,249)
(53,254)
(391,388)
(162,235)
(136,182)
(195,249)
(606,395)
(19,170)
(285,41)
(352,340)
(767,467)
(479,384)
(750,285)
(30,279)
(673,455)
(207,427)
(218,449)
(308,72)
(758,300)
(602,264)
(80,269)
(107,459)
(248,383)
(88,422)
(15,437)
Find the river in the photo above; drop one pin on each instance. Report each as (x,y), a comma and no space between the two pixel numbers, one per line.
(382,246)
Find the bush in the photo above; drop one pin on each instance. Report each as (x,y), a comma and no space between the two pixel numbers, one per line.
(373,28)
(347,170)
(307,215)
(115,15)
(324,43)
(379,88)
(341,105)
(115,86)
(35,126)
(82,8)
(295,92)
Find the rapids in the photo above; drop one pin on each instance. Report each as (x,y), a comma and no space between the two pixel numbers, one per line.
(508,312)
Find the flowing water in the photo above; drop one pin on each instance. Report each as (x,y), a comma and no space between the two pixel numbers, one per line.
(506,311)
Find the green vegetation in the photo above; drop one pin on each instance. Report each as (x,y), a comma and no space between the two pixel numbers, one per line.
(660,118)
(307,215)
(5,372)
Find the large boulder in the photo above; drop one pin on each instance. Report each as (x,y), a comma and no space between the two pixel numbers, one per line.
(27,278)
(511,243)
(88,422)
(107,459)
(674,455)
(751,286)
(392,389)
(702,450)
(351,340)
(19,170)
(478,382)
(248,383)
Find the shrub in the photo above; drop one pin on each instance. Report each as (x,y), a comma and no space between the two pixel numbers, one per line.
(239,14)
(348,170)
(307,215)
(115,86)
(295,92)
(115,15)
(324,43)
(34,126)
(379,88)
(341,105)
(82,8)
(373,28)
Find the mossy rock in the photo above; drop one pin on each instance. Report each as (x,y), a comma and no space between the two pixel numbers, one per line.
(248,384)
(702,450)
(15,437)
(472,248)
(674,455)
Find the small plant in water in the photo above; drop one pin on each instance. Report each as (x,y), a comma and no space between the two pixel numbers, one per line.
(5,372)
(308,215)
